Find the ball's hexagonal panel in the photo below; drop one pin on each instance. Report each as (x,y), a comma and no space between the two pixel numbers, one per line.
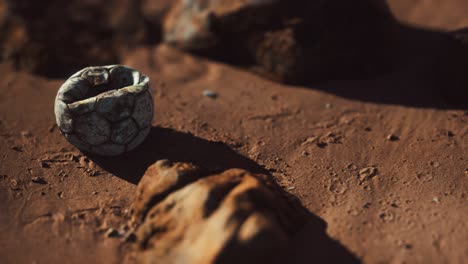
(92,129)
(83,107)
(63,117)
(73,89)
(121,76)
(96,75)
(143,112)
(124,131)
(78,142)
(115,105)
(138,139)
(108,149)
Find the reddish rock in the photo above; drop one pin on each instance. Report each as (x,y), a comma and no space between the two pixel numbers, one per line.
(231,217)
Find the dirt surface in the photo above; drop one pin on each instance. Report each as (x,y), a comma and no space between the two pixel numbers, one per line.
(446,15)
(381,161)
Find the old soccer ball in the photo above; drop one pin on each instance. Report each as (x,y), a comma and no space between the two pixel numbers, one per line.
(106,110)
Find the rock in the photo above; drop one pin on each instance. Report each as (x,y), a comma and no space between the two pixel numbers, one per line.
(38,180)
(111,232)
(291,41)
(393,137)
(210,94)
(366,174)
(160,179)
(153,13)
(67,36)
(196,24)
(231,217)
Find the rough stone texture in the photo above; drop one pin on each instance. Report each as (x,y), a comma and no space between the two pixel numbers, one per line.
(193,24)
(231,217)
(161,178)
(293,41)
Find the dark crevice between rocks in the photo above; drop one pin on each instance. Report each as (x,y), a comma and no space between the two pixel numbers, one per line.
(216,197)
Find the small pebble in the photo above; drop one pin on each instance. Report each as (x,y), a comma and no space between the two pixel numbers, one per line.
(328,106)
(210,94)
(44,165)
(14,185)
(17,148)
(26,133)
(393,137)
(367,173)
(38,180)
(111,232)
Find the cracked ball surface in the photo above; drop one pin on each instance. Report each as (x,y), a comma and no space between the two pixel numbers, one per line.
(106,110)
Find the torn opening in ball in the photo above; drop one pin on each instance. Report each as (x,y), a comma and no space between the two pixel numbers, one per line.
(106,110)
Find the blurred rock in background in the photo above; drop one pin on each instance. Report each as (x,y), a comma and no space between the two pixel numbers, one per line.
(55,38)
(292,41)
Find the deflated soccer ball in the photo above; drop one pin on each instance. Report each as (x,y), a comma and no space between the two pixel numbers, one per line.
(105,110)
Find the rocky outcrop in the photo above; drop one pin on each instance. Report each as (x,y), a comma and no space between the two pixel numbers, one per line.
(184,214)
(292,41)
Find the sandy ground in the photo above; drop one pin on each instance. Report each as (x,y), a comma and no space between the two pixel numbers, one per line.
(398,200)
(444,15)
